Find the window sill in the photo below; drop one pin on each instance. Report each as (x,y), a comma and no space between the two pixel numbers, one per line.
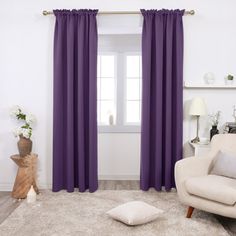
(119,129)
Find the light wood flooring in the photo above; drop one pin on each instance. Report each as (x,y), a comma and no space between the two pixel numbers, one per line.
(8,204)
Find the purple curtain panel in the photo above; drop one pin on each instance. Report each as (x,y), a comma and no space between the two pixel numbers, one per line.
(162,97)
(75,101)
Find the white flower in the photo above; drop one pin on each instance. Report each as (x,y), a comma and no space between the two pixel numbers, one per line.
(16,110)
(25,133)
(30,119)
(17,132)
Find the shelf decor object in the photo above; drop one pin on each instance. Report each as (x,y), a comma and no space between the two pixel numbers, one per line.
(229,79)
(26,175)
(209,78)
(197,109)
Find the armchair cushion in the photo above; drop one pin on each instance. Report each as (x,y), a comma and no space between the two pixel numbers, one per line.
(213,187)
(224,164)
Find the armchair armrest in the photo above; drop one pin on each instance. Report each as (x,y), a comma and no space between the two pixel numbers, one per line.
(190,167)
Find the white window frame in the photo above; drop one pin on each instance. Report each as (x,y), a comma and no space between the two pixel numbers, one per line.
(134,124)
(110,53)
(120,97)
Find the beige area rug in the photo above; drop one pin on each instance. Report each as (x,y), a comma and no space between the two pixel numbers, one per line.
(83,214)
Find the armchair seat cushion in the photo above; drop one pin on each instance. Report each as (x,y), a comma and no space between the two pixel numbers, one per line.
(213,187)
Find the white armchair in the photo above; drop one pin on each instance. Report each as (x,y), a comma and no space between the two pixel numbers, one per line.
(197,189)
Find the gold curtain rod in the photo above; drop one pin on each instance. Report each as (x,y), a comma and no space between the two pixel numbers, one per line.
(191,12)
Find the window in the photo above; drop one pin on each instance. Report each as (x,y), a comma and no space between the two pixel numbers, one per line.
(119,92)
(133,89)
(106,89)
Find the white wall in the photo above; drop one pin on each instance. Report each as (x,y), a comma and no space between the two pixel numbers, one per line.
(26,41)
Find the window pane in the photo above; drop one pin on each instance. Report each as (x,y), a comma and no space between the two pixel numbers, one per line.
(133,112)
(98,112)
(98,66)
(107,66)
(98,88)
(132,90)
(132,66)
(107,110)
(107,88)
(140,66)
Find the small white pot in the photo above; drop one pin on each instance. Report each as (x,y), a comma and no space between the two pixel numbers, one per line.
(229,82)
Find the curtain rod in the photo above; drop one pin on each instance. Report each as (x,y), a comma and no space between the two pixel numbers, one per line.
(191,12)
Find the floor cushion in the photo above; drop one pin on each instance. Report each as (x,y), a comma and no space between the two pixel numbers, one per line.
(134,213)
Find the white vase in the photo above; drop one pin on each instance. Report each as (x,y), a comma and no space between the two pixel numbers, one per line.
(31,195)
(209,78)
(229,82)
(111,119)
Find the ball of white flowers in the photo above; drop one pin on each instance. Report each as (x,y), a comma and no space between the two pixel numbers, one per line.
(30,119)
(26,133)
(16,110)
(17,132)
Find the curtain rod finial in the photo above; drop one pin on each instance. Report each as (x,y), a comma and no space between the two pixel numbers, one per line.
(192,12)
(45,13)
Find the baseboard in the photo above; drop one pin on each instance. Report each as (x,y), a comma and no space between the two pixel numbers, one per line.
(45,186)
(118,177)
(6,187)
(9,186)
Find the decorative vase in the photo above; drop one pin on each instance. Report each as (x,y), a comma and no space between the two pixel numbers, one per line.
(111,119)
(31,195)
(24,146)
(209,78)
(213,131)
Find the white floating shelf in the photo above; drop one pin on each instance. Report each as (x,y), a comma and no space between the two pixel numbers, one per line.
(189,85)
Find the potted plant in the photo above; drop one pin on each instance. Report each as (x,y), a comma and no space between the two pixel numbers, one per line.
(24,132)
(214,122)
(229,79)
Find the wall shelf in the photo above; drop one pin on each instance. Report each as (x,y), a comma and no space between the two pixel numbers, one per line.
(188,85)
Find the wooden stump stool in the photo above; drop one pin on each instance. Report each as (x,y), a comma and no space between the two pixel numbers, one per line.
(26,175)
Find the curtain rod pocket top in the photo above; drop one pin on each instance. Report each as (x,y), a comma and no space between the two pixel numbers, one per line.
(75,11)
(161,12)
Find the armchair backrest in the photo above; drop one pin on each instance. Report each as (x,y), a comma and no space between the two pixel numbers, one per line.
(223,142)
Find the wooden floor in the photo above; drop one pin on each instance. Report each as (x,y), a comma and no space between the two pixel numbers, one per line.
(8,204)
(119,185)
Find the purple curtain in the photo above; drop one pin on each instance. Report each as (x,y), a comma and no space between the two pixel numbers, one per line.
(75,111)
(162,97)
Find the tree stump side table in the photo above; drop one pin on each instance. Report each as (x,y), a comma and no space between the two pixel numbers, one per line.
(26,175)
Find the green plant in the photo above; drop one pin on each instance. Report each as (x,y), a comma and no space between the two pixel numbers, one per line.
(230,77)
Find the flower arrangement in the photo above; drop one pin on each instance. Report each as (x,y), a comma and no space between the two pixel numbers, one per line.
(25,130)
(215,118)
